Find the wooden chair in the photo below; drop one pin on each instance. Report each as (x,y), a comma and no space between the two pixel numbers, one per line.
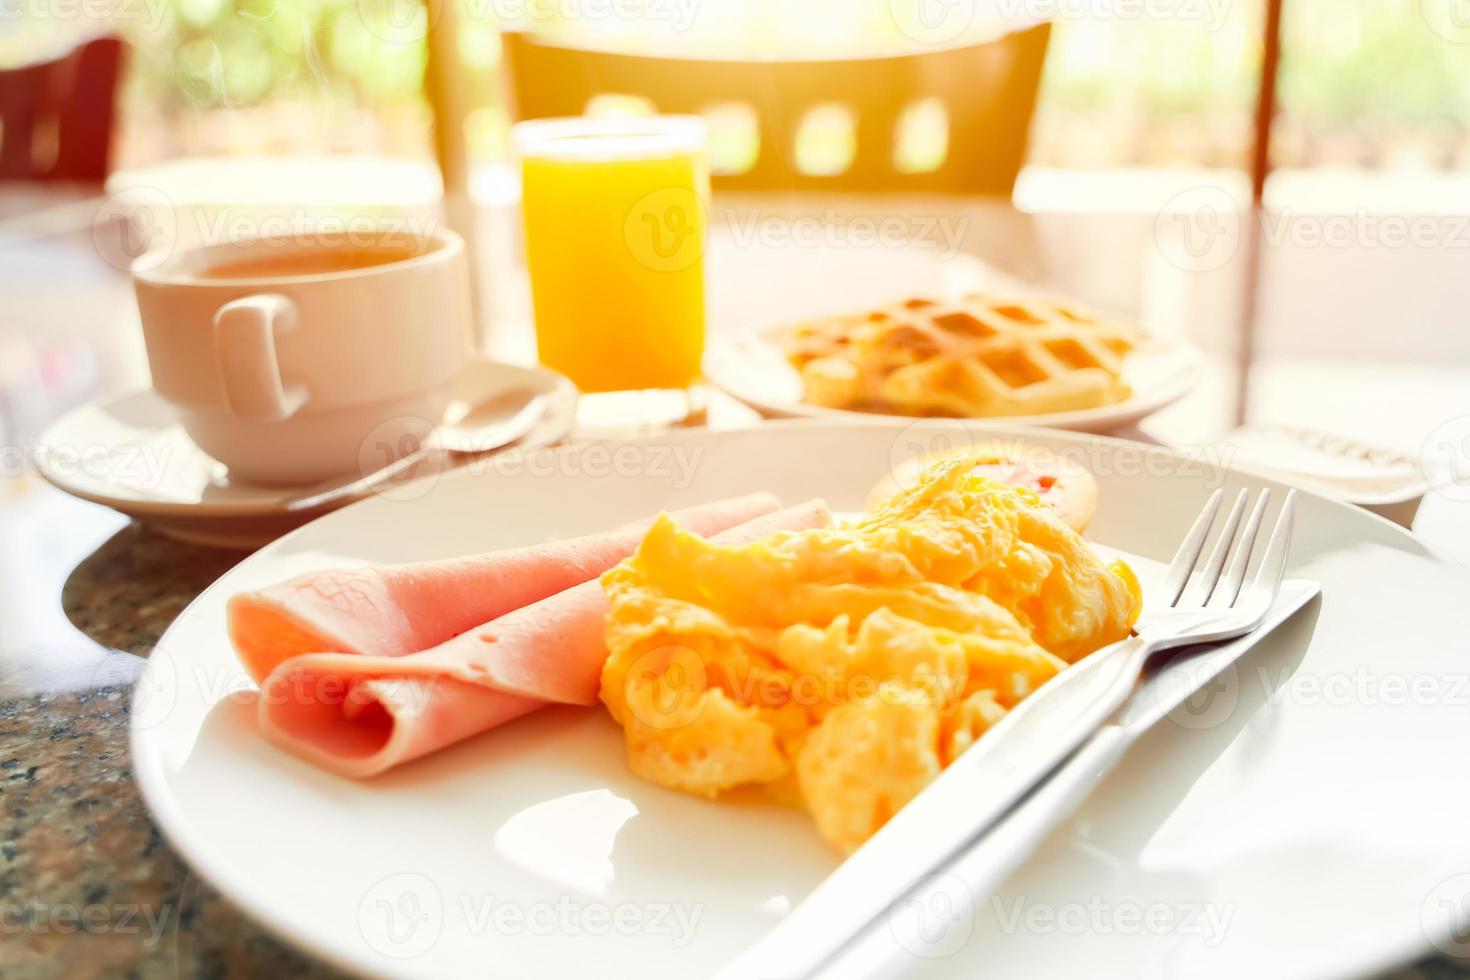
(56,117)
(988,91)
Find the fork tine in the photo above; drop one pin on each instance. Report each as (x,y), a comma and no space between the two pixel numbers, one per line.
(1229,587)
(1199,593)
(1189,549)
(1273,566)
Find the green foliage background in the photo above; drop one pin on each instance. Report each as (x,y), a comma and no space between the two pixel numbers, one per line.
(1366,66)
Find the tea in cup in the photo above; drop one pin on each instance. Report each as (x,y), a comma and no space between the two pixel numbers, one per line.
(283,358)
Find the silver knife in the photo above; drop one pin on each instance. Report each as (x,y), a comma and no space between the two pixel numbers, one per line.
(898,872)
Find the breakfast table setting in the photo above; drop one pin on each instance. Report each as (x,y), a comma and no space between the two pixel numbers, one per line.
(328,647)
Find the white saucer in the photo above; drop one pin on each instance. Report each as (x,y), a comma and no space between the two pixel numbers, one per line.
(132,455)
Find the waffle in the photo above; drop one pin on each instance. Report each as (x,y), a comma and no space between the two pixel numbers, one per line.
(977,356)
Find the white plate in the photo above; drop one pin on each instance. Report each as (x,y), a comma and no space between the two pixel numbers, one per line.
(132,455)
(1314,802)
(751,367)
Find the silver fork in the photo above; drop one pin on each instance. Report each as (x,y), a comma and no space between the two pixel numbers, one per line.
(1190,607)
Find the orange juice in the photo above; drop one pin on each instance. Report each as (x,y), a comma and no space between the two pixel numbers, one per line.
(615,219)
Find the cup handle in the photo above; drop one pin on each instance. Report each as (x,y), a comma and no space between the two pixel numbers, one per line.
(245,332)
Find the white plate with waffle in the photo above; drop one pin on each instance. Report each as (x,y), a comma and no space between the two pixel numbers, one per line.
(1025,361)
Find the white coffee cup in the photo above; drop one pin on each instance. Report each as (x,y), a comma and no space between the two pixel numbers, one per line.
(285,359)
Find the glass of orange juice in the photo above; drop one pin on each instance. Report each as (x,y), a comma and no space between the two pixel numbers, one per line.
(616,214)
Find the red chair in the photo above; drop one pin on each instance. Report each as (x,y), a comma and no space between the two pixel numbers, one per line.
(56,117)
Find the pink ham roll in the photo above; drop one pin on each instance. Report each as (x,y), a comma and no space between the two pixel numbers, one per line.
(391,610)
(359,716)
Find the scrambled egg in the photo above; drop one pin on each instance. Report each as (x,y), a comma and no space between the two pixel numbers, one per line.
(843,668)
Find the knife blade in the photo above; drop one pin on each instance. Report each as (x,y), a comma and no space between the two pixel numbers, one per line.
(899,869)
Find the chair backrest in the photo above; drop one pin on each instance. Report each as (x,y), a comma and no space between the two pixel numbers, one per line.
(987,91)
(56,117)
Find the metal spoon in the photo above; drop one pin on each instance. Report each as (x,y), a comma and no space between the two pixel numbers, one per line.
(468,429)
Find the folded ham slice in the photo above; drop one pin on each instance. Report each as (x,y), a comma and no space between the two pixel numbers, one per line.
(390,610)
(362,715)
